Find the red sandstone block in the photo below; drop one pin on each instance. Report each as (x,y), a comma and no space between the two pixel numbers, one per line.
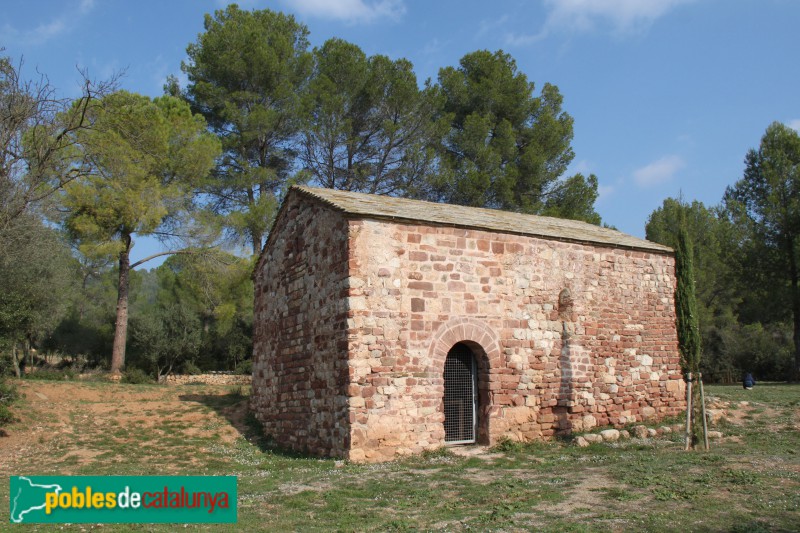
(414,238)
(418,256)
(420,285)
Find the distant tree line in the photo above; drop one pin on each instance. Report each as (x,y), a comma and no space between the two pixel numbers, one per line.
(746,263)
(204,167)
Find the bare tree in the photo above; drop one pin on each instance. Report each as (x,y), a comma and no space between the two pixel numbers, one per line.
(36,145)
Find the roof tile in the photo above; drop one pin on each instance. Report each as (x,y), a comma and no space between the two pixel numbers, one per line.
(415,211)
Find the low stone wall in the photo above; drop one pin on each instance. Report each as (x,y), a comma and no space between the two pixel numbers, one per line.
(212,378)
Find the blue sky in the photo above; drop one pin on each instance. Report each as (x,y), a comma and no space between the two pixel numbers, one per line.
(667,95)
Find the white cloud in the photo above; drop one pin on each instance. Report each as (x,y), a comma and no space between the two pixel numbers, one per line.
(624,15)
(432,47)
(48,31)
(86,6)
(658,171)
(794,124)
(603,192)
(349,10)
(583,167)
(490,26)
(516,39)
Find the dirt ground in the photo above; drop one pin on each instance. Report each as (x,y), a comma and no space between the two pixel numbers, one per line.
(59,417)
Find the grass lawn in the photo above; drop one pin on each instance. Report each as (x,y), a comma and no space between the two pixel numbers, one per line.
(749,481)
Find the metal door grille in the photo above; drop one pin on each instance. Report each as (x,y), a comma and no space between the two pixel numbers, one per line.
(459,396)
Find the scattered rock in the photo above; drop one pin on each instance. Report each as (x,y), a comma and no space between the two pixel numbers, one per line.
(580,442)
(664,430)
(640,432)
(624,434)
(651,432)
(714,434)
(593,438)
(610,435)
(714,415)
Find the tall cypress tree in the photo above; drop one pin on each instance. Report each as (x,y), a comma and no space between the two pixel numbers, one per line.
(688,323)
(686,302)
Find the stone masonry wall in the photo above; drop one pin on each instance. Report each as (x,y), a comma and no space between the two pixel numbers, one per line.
(300,337)
(602,352)
(214,378)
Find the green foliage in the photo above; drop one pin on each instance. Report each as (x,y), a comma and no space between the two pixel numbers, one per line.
(507,148)
(745,258)
(190,368)
(244,368)
(505,444)
(147,157)
(88,327)
(686,303)
(720,290)
(246,73)
(765,350)
(573,198)
(367,125)
(766,204)
(136,376)
(51,374)
(165,339)
(8,395)
(35,264)
(218,289)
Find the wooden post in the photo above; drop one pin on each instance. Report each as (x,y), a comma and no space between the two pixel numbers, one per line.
(703,410)
(688,410)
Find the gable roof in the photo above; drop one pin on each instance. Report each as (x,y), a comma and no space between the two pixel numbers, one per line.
(418,211)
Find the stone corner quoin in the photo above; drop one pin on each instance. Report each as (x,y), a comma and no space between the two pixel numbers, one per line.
(355,317)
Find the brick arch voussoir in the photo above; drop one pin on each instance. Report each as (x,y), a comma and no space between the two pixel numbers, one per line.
(468,330)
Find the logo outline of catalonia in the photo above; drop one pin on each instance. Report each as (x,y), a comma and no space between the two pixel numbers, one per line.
(18,516)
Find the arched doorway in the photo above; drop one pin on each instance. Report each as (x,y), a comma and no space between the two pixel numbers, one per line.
(460,395)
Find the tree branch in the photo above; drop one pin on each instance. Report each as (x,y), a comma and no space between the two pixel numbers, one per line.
(170,252)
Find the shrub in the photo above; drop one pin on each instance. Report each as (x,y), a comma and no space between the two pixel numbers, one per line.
(505,444)
(51,374)
(6,366)
(244,368)
(8,395)
(136,376)
(191,369)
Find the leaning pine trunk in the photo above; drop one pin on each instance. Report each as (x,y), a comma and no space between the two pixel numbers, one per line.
(121,328)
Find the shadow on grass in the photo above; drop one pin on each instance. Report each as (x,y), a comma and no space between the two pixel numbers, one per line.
(234,408)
